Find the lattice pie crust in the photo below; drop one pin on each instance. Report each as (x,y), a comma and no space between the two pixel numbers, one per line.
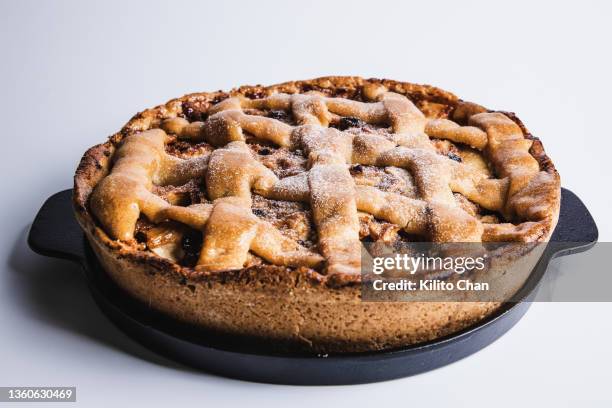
(244,212)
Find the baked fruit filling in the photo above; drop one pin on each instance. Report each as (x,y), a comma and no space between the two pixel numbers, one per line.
(300,179)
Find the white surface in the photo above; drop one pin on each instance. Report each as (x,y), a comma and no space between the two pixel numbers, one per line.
(73,73)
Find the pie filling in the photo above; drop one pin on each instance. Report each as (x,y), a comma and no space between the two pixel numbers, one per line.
(301,179)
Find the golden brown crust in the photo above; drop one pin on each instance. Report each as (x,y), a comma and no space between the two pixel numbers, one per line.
(136,264)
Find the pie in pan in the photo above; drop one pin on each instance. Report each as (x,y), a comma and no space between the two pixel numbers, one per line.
(244,212)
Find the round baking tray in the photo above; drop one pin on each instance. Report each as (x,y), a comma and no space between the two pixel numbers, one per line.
(56,233)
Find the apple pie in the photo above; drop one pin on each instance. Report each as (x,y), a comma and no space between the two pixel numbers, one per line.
(244,212)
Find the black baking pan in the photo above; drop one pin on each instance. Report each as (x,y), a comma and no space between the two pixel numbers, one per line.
(56,233)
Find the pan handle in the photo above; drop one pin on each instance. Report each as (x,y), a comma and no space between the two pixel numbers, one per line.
(55,231)
(576,230)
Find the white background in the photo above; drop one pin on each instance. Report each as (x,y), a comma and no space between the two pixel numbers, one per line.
(72,73)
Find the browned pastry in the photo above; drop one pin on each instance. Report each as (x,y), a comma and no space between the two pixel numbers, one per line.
(244,212)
